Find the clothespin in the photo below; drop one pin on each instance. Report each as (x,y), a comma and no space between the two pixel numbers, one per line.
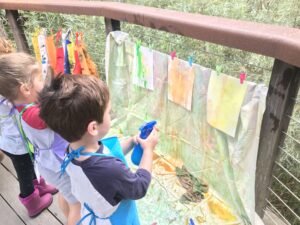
(218,69)
(173,54)
(190,60)
(154,223)
(191,222)
(242,77)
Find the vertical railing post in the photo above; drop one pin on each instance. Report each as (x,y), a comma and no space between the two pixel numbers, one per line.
(283,87)
(17,30)
(111,25)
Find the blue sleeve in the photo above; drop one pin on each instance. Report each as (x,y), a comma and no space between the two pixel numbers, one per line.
(114,180)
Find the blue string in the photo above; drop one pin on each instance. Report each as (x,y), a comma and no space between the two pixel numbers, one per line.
(91,213)
(75,154)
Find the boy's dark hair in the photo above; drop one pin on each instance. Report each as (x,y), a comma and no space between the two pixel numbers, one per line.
(71,102)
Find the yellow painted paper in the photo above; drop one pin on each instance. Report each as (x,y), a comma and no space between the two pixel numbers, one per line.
(181,78)
(224,100)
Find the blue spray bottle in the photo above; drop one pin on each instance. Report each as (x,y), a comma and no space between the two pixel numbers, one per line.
(137,153)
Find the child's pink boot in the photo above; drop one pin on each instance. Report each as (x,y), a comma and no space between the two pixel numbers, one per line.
(35,204)
(43,187)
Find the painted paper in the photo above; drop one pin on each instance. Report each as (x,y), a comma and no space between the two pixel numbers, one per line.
(143,67)
(180,82)
(224,100)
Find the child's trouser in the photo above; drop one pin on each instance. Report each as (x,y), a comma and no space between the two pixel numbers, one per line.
(25,172)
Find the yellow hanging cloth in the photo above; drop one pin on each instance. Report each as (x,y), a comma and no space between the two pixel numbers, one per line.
(71,56)
(35,44)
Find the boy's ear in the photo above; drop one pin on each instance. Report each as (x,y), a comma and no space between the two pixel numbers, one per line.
(25,90)
(92,128)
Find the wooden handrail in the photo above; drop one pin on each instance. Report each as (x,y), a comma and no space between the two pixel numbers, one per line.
(275,41)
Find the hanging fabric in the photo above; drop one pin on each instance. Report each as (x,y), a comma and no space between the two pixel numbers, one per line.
(59,68)
(51,51)
(65,43)
(35,44)
(43,52)
(88,67)
(71,56)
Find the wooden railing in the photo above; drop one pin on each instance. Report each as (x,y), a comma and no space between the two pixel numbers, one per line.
(281,43)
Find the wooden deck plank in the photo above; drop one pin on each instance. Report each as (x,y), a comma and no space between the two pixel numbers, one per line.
(9,190)
(7,215)
(54,208)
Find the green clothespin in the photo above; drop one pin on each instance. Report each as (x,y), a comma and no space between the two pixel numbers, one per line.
(218,69)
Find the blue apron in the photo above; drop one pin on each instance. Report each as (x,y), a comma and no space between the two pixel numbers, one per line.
(126,213)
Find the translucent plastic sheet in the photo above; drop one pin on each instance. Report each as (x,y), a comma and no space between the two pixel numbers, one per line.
(226,164)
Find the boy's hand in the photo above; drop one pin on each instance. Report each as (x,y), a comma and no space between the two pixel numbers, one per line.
(150,142)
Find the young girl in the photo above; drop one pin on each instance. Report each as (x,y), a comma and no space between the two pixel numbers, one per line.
(5,47)
(34,195)
(21,78)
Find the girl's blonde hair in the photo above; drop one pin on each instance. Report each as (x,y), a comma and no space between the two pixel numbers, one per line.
(5,46)
(16,69)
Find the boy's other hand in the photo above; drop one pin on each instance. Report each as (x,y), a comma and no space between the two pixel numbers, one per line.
(150,142)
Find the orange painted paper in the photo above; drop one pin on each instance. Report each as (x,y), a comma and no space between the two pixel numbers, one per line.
(181,78)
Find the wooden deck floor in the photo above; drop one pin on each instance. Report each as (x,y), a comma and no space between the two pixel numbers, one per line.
(11,210)
(13,213)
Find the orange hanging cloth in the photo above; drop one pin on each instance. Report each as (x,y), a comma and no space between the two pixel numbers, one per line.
(51,50)
(88,67)
(59,68)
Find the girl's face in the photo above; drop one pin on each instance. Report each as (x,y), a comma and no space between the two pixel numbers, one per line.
(36,86)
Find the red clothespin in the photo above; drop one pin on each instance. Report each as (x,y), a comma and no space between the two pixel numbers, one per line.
(242,77)
(173,54)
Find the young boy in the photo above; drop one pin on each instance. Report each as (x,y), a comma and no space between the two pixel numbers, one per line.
(20,81)
(78,108)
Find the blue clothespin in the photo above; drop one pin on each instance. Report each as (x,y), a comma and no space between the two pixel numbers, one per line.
(191,222)
(190,60)
(218,69)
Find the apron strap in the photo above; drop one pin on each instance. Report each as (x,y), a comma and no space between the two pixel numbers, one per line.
(91,214)
(28,145)
(75,154)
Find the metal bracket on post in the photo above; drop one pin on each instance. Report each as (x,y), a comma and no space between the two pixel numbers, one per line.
(283,87)
(111,25)
(17,30)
